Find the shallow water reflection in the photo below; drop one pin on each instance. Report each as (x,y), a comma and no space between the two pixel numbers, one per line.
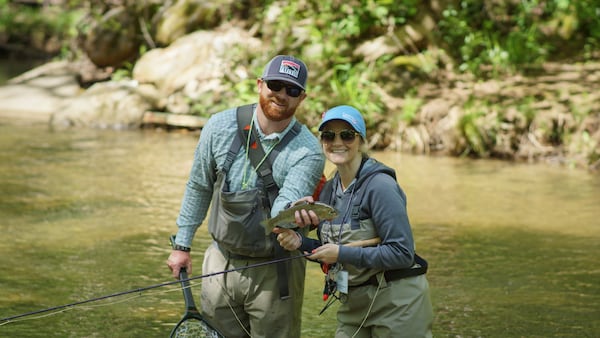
(513,248)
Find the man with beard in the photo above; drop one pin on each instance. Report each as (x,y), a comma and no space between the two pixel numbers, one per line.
(263,300)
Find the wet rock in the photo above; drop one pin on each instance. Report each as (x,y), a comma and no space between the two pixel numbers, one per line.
(113,39)
(105,105)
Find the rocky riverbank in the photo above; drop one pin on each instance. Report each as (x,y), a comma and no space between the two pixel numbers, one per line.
(522,118)
(552,113)
(34,96)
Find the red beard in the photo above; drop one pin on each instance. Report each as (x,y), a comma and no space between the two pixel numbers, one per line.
(274,113)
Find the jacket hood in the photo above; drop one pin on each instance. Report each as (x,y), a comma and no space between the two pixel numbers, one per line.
(372,167)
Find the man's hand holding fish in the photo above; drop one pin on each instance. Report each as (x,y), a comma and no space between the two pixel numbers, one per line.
(305,217)
(304,212)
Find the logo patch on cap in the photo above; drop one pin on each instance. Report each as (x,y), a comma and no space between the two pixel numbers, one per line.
(290,68)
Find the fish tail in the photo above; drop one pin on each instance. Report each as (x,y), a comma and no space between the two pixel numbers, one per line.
(267,224)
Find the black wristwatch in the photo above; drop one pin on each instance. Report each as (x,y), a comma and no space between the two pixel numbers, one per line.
(177,246)
(181,248)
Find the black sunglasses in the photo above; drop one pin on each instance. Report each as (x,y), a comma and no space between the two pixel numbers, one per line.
(291,90)
(346,135)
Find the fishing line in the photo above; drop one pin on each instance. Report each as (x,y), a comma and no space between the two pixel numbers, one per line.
(227,299)
(88,307)
(62,308)
(370,307)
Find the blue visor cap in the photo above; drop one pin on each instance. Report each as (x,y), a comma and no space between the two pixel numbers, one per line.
(348,114)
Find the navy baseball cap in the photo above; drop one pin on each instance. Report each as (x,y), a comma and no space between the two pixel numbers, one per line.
(348,114)
(286,68)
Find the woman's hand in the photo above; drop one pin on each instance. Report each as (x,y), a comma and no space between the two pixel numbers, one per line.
(288,239)
(326,253)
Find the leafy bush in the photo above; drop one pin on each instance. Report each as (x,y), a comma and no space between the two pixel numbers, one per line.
(502,37)
(34,26)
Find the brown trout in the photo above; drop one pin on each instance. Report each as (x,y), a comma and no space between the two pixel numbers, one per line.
(286,218)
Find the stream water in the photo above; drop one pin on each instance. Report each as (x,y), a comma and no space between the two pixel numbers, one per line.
(513,248)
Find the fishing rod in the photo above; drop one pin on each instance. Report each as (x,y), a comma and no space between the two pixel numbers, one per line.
(142,289)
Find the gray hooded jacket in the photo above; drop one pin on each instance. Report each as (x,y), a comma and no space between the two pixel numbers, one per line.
(372,206)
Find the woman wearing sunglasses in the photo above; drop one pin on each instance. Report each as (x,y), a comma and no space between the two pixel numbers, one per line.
(368,251)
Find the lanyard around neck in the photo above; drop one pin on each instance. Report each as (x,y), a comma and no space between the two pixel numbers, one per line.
(246,177)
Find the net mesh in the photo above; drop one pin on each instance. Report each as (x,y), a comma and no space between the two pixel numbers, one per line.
(194,328)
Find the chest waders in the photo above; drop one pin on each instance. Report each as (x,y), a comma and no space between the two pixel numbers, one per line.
(235,217)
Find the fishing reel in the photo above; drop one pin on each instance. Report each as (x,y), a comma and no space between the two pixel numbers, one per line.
(331,292)
(329,289)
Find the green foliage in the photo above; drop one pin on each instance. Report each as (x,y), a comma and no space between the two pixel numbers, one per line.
(246,91)
(583,143)
(124,72)
(502,37)
(34,25)
(5,16)
(484,38)
(364,16)
(477,131)
(588,13)
(327,30)
(525,107)
(324,34)
(580,112)
(410,108)
(352,86)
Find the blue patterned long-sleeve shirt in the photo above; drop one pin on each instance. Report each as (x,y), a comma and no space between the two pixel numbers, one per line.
(296,170)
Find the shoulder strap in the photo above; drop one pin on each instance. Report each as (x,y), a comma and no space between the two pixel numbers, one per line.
(243,116)
(359,198)
(327,192)
(256,152)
